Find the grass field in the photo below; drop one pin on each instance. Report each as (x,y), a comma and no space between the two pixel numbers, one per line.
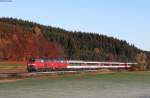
(8,67)
(114,85)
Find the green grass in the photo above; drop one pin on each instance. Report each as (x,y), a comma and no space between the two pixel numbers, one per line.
(119,85)
(10,65)
(130,77)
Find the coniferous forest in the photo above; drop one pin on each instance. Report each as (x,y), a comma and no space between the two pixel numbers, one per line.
(21,40)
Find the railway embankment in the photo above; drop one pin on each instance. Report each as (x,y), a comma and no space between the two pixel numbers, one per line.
(12,77)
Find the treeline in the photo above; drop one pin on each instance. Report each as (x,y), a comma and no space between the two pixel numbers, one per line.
(79,45)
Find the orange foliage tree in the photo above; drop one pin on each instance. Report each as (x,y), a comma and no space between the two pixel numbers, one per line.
(17,43)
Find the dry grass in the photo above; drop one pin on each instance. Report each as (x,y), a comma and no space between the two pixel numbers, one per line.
(12,67)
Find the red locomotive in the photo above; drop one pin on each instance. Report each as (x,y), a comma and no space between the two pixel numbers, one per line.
(40,64)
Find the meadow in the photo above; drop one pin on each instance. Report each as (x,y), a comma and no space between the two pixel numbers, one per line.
(113,85)
(12,67)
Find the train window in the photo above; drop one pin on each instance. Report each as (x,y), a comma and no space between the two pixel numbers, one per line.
(75,64)
(53,59)
(61,59)
(45,59)
(49,60)
(36,60)
(32,60)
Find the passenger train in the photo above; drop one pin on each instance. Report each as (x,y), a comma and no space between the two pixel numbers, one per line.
(40,64)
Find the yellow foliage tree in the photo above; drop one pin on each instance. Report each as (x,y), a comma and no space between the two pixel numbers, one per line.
(37,30)
(141,59)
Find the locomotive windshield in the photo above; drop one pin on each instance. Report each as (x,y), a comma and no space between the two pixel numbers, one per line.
(36,60)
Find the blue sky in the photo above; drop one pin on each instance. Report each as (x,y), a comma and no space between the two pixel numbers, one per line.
(124,19)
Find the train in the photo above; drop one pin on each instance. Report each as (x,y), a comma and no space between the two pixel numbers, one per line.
(41,64)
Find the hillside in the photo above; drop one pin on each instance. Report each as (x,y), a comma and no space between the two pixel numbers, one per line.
(21,40)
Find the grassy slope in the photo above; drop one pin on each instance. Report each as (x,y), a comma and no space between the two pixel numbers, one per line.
(119,85)
(133,77)
(120,78)
(6,67)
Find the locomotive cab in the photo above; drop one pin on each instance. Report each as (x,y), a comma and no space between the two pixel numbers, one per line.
(46,64)
(33,64)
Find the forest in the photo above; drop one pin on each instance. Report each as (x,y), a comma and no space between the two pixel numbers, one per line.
(21,40)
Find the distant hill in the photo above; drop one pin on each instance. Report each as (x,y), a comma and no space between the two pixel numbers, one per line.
(21,40)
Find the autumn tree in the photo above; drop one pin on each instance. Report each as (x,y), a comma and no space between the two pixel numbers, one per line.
(141,59)
(19,38)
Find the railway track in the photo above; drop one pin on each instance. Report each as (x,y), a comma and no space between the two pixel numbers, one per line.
(39,74)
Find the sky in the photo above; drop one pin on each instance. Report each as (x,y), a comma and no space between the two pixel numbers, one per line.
(123,19)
